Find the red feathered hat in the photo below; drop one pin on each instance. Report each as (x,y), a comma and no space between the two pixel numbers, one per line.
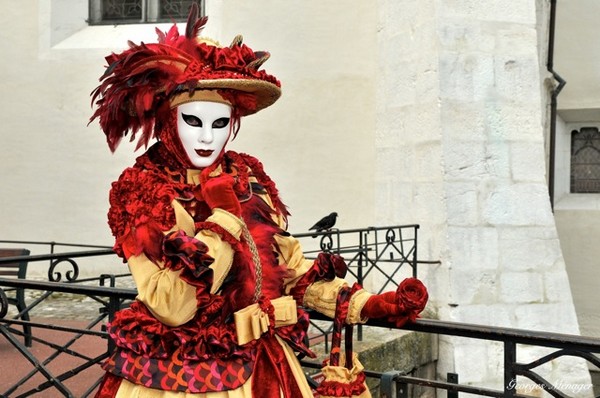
(143,83)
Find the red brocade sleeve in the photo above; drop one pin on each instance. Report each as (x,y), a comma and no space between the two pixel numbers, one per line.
(170,267)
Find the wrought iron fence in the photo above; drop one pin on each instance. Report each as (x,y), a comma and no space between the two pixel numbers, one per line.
(111,299)
(375,255)
(368,251)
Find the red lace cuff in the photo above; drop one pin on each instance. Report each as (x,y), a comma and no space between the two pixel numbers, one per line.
(190,255)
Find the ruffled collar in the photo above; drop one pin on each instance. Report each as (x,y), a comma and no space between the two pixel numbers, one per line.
(244,168)
(160,158)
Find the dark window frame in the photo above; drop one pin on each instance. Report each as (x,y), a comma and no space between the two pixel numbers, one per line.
(585,161)
(150,11)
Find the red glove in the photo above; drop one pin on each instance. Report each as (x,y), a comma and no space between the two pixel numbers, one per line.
(382,305)
(218,192)
(400,306)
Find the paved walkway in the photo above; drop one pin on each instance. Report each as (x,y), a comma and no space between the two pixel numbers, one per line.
(14,366)
(70,306)
(62,310)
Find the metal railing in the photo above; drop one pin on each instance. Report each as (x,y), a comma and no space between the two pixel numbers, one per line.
(369,252)
(396,384)
(111,298)
(377,254)
(366,250)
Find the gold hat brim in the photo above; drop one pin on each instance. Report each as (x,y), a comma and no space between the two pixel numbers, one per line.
(266,92)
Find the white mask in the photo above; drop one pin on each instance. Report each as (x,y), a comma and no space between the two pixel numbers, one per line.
(204,130)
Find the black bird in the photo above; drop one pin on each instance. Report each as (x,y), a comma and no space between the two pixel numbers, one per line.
(324,224)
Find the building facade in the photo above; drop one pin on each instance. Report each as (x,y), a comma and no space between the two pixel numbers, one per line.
(393,112)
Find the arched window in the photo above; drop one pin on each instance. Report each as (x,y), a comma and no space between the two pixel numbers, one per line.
(585,160)
(114,12)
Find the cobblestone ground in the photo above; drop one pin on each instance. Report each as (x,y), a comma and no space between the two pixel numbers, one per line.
(66,305)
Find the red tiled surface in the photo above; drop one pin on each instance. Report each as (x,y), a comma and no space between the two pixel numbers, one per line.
(13,365)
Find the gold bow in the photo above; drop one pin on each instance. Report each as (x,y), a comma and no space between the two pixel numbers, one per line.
(251,322)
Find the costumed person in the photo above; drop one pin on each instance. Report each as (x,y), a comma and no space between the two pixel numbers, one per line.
(221,284)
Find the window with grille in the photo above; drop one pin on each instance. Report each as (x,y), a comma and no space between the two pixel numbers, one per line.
(585,160)
(114,12)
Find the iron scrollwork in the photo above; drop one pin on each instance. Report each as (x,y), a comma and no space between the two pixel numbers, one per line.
(390,236)
(57,276)
(326,243)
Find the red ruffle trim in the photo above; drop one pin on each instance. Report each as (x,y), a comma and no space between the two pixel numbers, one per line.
(140,209)
(109,386)
(216,228)
(135,329)
(330,388)
(258,171)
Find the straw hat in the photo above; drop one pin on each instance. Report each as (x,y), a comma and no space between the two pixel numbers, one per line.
(144,82)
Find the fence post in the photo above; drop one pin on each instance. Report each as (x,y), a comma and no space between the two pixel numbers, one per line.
(362,249)
(510,378)
(452,378)
(414,259)
(390,387)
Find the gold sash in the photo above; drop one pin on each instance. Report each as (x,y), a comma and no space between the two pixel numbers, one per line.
(251,322)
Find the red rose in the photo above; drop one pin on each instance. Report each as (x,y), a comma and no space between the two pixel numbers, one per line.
(229,58)
(413,295)
(204,51)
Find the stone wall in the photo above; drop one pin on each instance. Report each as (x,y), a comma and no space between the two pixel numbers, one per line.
(461,150)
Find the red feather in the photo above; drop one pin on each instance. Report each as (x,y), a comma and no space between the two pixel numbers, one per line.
(139,81)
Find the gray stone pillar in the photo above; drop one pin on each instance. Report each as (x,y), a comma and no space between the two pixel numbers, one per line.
(460,150)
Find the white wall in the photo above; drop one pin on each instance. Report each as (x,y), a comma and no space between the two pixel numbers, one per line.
(578,222)
(577,56)
(577,215)
(316,142)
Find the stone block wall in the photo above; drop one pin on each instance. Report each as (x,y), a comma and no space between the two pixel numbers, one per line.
(461,110)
